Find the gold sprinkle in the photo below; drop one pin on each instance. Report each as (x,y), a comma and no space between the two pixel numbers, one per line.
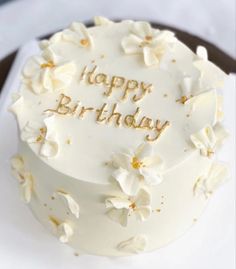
(52,197)
(162,196)
(162,203)
(173,61)
(49,64)
(84,42)
(93,61)
(102,56)
(45,205)
(194,219)
(165,95)
(76,254)
(68,142)
(158,210)
(136,164)
(188,115)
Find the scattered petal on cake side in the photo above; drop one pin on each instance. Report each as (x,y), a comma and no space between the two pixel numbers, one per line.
(121,207)
(152,43)
(70,202)
(137,168)
(63,230)
(134,244)
(17,106)
(99,20)
(208,139)
(207,184)
(24,177)
(78,34)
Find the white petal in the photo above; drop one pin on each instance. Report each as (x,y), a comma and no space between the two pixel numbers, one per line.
(31,131)
(141,29)
(17,163)
(150,57)
(211,76)
(186,86)
(135,244)
(128,182)
(217,176)
(202,52)
(220,133)
(70,202)
(32,66)
(204,139)
(26,187)
(47,79)
(152,176)
(143,198)
(119,215)
(99,20)
(65,232)
(49,148)
(144,150)
(131,44)
(117,202)
(63,75)
(143,212)
(121,160)
(17,106)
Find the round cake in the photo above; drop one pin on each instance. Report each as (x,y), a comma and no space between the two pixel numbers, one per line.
(119,125)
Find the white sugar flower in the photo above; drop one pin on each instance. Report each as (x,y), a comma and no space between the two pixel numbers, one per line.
(45,73)
(137,168)
(202,53)
(78,34)
(152,43)
(35,132)
(134,244)
(207,184)
(208,139)
(122,207)
(70,202)
(24,177)
(63,230)
(17,104)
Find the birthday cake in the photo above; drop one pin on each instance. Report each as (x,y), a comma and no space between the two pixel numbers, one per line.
(119,126)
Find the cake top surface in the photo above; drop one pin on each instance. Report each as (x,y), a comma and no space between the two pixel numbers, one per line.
(117,93)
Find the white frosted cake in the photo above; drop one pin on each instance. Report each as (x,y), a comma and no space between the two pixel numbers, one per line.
(119,125)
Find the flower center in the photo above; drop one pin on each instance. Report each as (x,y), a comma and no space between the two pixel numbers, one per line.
(148,37)
(136,163)
(84,42)
(132,206)
(209,152)
(41,135)
(49,64)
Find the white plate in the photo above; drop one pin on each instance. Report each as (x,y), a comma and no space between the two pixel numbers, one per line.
(24,243)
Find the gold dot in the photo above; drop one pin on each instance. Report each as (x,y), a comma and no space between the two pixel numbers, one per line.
(194,220)
(45,205)
(76,254)
(84,42)
(68,142)
(158,210)
(165,95)
(102,56)
(173,61)
(148,37)
(187,115)
(52,197)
